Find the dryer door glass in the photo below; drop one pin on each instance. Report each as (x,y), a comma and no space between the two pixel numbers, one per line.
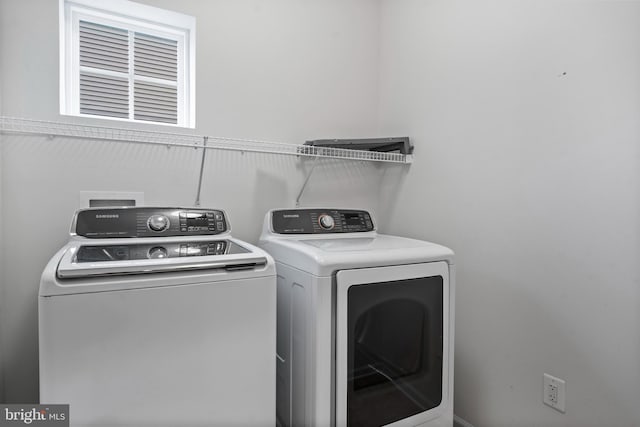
(394,350)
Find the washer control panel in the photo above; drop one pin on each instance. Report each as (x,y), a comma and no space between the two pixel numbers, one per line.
(148,222)
(319,221)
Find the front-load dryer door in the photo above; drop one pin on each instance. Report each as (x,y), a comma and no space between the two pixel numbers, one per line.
(392,358)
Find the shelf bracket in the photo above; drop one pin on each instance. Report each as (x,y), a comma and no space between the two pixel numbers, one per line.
(204,153)
(306,181)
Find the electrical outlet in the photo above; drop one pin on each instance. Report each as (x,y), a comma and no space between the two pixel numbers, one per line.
(554,392)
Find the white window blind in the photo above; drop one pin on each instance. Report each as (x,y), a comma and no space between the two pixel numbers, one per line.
(104,49)
(127,69)
(155,58)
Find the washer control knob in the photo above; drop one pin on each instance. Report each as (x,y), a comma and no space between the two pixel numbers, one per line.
(326,221)
(157,252)
(158,223)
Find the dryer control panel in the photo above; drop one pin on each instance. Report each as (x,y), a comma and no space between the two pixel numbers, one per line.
(320,221)
(148,222)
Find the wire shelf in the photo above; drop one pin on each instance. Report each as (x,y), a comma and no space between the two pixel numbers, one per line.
(74,130)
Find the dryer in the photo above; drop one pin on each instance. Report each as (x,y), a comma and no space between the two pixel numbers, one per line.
(365,322)
(159,317)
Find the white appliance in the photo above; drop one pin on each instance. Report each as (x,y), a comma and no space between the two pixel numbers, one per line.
(158,317)
(365,322)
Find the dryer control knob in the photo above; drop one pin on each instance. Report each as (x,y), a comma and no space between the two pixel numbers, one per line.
(326,221)
(158,223)
(158,252)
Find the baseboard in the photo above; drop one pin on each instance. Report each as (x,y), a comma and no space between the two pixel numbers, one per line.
(459,422)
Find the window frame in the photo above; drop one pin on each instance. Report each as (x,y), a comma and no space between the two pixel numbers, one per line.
(132,17)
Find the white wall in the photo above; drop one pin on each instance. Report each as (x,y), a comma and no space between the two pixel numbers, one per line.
(525,117)
(284,70)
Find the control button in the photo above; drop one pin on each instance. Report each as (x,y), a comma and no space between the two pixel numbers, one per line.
(158,223)
(219,216)
(209,214)
(326,221)
(220,225)
(157,252)
(195,250)
(183,229)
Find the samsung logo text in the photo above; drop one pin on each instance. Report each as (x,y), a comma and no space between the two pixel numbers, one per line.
(107,216)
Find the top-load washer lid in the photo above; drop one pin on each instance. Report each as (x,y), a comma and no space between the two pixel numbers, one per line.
(117,241)
(311,240)
(141,256)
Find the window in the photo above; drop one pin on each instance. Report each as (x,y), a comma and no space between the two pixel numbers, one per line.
(127,61)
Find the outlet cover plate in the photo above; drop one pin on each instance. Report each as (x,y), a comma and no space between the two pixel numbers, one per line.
(554,392)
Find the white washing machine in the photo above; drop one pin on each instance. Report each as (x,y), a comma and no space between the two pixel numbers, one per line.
(158,317)
(365,322)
